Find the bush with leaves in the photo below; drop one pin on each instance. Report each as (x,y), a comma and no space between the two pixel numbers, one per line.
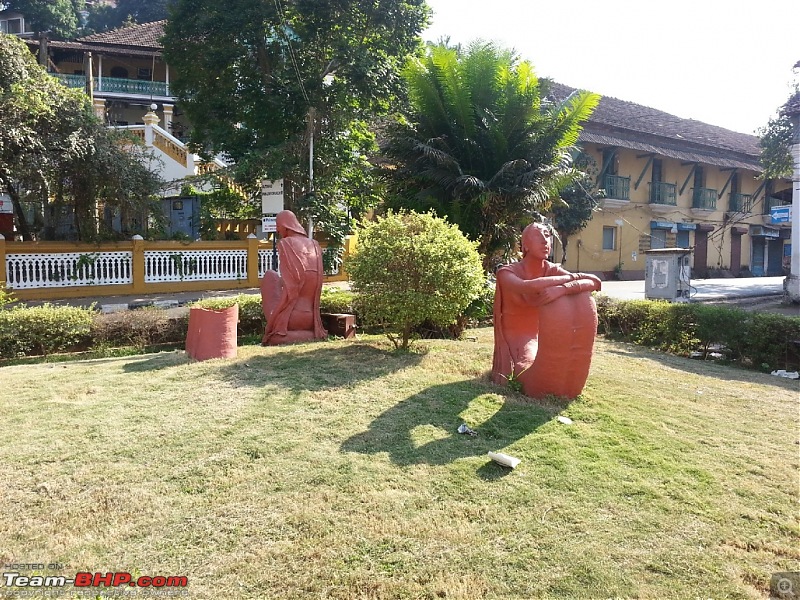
(137,328)
(44,330)
(411,268)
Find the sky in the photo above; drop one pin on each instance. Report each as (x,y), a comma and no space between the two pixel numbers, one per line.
(720,62)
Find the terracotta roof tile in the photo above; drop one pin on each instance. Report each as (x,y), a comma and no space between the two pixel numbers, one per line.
(624,120)
(146,35)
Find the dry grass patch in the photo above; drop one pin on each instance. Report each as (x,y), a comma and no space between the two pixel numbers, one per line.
(333,470)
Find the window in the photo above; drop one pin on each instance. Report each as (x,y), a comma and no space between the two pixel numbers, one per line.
(658,238)
(119,72)
(657,171)
(699,178)
(610,162)
(144,74)
(11,26)
(609,238)
(682,239)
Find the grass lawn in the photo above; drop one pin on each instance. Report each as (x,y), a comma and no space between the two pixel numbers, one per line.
(334,470)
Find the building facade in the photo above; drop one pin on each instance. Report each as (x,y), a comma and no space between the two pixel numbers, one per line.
(672,182)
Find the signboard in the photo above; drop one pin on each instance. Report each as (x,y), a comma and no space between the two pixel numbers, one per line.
(271,196)
(5,204)
(269,224)
(781,214)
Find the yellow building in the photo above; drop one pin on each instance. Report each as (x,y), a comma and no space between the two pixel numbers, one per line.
(672,182)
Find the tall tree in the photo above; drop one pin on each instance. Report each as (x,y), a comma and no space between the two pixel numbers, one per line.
(61,18)
(481,143)
(577,201)
(257,78)
(776,141)
(54,152)
(143,11)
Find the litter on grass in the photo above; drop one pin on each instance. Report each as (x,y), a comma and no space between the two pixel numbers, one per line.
(504,459)
(787,374)
(463,428)
(565,420)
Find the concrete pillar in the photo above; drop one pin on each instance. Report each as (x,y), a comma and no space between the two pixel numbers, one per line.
(791,285)
(137,266)
(168,117)
(252,261)
(150,119)
(99,106)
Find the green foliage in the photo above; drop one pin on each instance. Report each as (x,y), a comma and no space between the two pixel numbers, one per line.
(137,328)
(481,144)
(282,62)
(776,143)
(337,301)
(61,18)
(6,297)
(411,268)
(251,314)
(577,201)
(54,153)
(761,341)
(43,330)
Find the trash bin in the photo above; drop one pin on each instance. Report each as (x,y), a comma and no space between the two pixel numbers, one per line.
(212,333)
(667,274)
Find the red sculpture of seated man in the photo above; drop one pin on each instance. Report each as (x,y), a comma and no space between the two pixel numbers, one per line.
(545,322)
(291,300)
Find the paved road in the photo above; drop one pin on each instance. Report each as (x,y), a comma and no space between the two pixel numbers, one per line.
(705,290)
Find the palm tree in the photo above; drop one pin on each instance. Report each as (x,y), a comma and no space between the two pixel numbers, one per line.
(482,144)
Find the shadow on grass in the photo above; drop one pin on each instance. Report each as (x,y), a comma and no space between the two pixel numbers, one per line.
(438,409)
(708,368)
(317,366)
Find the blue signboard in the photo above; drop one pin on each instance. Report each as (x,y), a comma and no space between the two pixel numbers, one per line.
(781,214)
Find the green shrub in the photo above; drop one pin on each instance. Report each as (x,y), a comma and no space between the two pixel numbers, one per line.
(138,328)
(44,330)
(762,341)
(337,300)
(251,315)
(411,268)
(6,297)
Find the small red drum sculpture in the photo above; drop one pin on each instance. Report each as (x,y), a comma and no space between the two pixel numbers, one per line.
(291,300)
(545,321)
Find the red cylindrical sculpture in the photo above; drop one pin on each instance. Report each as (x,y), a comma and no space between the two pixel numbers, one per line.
(212,333)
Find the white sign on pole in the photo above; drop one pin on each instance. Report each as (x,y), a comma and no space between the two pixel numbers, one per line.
(269,224)
(271,196)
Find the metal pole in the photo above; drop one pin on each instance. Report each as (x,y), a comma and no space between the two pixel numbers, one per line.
(311,166)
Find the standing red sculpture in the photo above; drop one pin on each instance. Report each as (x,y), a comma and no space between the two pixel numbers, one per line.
(545,322)
(291,300)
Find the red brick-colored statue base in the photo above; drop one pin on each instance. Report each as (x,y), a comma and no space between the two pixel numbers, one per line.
(290,300)
(545,322)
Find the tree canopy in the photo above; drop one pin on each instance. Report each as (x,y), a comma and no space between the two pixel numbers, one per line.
(577,201)
(104,16)
(62,18)
(256,77)
(481,143)
(54,153)
(776,140)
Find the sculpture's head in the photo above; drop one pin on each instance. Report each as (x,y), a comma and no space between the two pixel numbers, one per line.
(287,222)
(536,241)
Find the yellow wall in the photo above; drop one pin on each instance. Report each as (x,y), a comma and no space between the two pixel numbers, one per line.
(585,250)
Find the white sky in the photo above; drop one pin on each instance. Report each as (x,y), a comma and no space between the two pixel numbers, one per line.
(721,62)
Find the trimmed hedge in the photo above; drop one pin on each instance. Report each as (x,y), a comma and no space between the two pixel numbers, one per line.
(762,341)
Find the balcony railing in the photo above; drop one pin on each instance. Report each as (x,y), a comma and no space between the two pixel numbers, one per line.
(742,203)
(618,188)
(117,85)
(663,193)
(704,199)
(771,201)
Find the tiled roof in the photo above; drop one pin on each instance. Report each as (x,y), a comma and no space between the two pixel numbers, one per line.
(146,35)
(630,125)
(78,46)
